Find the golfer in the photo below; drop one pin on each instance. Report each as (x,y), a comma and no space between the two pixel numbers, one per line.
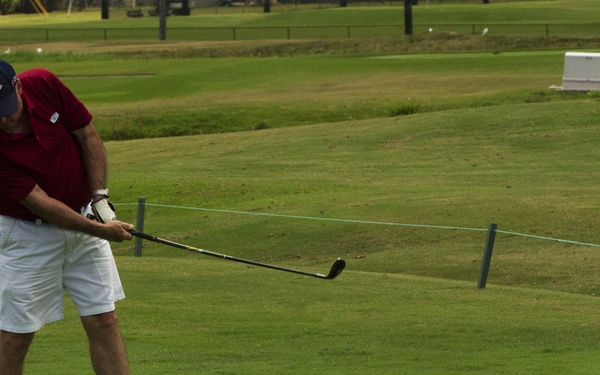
(53,169)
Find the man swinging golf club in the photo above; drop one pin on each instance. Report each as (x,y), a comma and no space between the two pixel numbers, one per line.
(53,167)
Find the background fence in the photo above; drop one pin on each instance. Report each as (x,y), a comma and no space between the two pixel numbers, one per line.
(289,32)
(488,247)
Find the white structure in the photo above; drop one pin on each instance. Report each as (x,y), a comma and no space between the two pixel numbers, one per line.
(582,71)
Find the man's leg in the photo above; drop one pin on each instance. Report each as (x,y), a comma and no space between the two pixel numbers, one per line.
(13,348)
(106,346)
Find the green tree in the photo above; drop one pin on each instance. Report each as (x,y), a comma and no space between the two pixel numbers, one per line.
(6,6)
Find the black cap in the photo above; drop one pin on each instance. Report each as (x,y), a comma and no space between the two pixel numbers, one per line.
(8,94)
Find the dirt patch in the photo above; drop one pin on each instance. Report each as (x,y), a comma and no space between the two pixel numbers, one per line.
(107,75)
(138,46)
(430,43)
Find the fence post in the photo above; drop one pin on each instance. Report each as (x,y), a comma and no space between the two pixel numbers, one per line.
(139,226)
(162,20)
(487,256)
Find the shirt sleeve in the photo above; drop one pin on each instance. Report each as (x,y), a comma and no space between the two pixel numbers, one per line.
(74,114)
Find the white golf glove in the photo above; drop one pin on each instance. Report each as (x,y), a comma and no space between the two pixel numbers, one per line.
(104,211)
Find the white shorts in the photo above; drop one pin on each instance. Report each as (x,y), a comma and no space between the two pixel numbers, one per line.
(40,262)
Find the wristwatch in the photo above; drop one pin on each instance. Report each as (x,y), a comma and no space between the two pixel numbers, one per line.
(103,192)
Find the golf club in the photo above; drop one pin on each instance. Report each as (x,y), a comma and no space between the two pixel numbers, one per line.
(336,268)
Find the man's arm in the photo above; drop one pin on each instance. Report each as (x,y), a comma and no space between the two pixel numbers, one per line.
(94,157)
(55,212)
(61,215)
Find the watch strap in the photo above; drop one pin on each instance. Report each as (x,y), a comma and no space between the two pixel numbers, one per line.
(103,192)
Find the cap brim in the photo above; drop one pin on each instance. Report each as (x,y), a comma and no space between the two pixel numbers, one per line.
(9,104)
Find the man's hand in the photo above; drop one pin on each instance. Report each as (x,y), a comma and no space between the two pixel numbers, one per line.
(104,211)
(117,231)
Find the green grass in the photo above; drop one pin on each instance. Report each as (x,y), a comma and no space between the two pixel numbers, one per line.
(443,144)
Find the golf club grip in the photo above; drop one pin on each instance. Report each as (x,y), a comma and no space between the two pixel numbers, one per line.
(160,240)
(142,235)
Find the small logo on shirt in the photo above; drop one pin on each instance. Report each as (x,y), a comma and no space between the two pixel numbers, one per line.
(54,118)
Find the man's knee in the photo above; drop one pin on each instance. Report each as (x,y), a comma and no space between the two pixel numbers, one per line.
(100,322)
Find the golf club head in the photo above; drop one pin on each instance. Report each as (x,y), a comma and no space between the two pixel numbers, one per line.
(336,268)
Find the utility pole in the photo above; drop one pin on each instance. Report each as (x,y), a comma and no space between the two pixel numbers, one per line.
(408,24)
(104,6)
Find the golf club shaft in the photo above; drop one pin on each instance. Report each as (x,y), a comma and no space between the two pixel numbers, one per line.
(217,255)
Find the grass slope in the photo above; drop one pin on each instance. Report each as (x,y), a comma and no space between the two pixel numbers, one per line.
(167,97)
(530,168)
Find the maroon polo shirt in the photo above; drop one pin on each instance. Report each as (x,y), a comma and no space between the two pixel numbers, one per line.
(49,156)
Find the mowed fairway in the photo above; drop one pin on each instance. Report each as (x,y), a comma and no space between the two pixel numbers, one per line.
(395,162)
(192,316)
(407,302)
